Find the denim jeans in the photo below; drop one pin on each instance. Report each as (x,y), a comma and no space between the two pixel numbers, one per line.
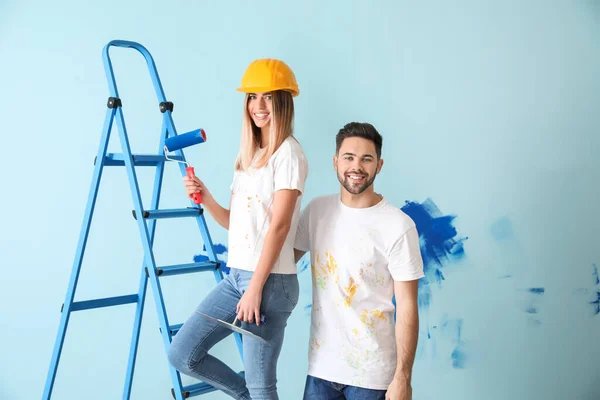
(320,389)
(188,352)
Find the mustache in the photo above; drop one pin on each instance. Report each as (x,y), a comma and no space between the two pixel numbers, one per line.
(354,172)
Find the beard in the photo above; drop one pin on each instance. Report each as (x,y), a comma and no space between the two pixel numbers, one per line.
(355,187)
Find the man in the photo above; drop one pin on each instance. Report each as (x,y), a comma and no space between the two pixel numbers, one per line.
(363,252)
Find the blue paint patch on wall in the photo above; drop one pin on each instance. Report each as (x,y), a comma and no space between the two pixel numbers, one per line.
(220,251)
(437,235)
(539,291)
(439,276)
(590,295)
(424,296)
(459,357)
(596,302)
(219,248)
(304,263)
(447,338)
(502,229)
(440,245)
(532,301)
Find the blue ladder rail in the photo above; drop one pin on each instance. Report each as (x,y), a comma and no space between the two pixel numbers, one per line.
(147,228)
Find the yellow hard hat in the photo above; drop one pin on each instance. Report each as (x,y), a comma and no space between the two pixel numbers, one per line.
(267,75)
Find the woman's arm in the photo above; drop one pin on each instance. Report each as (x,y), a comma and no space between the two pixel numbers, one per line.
(220,214)
(284,203)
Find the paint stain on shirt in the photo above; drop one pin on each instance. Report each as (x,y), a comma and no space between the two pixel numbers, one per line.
(369,317)
(350,291)
(323,271)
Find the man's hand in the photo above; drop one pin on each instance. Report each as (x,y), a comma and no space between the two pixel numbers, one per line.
(399,389)
(248,308)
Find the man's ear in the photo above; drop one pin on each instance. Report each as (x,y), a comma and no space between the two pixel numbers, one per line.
(379,165)
(335,160)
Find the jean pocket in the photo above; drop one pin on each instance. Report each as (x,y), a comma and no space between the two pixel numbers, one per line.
(291,288)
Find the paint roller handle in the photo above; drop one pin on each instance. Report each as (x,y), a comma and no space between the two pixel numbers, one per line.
(197,197)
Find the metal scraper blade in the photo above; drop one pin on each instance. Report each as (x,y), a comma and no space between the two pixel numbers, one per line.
(233,327)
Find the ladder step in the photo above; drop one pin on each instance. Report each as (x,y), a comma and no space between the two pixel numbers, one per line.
(139,160)
(106,302)
(187,268)
(173,213)
(198,389)
(173,329)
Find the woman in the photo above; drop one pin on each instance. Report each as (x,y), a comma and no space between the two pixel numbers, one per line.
(270,172)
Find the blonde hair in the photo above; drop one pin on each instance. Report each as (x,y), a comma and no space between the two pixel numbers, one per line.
(282,121)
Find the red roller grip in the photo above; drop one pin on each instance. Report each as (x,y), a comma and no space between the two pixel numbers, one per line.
(197,197)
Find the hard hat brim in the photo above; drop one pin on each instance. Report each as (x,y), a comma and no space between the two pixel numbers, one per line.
(267,89)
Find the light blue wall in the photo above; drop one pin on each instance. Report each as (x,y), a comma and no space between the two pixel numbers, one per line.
(488,109)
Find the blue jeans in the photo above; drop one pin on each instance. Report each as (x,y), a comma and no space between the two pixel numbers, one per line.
(188,352)
(320,389)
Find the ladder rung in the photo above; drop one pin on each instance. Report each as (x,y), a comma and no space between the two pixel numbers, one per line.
(198,389)
(173,329)
(187,268)
(106,302)
(174,213)
(139,160)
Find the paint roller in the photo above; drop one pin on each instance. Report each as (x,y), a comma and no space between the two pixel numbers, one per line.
(179,142)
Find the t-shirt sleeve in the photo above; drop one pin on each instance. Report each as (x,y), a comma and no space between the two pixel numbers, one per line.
(406,263)
(233,182)
(302,241)
(291,169)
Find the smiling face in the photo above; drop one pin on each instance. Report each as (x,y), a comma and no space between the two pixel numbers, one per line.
(260,109)
(357,165)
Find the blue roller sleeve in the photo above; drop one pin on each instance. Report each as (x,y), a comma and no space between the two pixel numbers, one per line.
(185,140)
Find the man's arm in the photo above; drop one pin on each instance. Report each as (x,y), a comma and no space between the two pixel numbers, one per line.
(302,239)
(298,254)
(407,333)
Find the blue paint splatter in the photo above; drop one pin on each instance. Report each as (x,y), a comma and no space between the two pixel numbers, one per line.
(439,276)
(424,296)
(439,245)
(502,229)
(437,236)
(459,358)
(591,293)
(304,264)
(449,333)
(532,306)
(308,309)
(539,291)
(535,322)
(596,304)
(220,250)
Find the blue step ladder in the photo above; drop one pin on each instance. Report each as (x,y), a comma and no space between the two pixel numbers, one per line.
(146,222)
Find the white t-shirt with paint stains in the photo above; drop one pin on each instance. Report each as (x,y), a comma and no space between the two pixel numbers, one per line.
(251,209)
(356,254)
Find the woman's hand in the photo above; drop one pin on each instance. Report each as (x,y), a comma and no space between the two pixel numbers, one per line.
(195,185)
(248,308)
